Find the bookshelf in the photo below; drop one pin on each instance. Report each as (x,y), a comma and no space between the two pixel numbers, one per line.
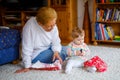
(15,14)
(106,13)
(11,19)
(16,19)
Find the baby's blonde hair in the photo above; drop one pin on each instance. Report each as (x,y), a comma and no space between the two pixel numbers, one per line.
(76,32)
(46,14)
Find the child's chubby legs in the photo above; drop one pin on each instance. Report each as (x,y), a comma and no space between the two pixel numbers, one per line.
(73,62)
(47,55)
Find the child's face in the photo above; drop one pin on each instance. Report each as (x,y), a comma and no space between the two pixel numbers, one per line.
(79,40)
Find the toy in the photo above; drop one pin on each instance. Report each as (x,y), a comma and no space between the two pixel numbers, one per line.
(95,62)
(92,65)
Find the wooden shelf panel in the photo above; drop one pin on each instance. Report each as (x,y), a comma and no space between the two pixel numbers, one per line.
(12,12)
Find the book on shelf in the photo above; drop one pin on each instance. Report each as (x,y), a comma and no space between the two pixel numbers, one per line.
(97,14)
(117,14)
(106,34)
(114,10)
(103,32)
(105,13)
(97,31)
(108,13)
(101,15)
(119,17)
(110,32)
(117,37)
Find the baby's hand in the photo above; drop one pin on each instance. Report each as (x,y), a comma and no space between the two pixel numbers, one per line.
(82,54)
(79,53)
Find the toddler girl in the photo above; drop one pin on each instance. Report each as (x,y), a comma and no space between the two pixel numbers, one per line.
(77,47)
(77,50)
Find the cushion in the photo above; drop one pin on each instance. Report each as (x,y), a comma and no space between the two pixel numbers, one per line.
(9,38)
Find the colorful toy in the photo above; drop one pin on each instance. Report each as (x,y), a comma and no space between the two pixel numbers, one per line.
(95,62)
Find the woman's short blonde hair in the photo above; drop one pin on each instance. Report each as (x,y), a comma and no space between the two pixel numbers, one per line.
(76,32)
(46,14)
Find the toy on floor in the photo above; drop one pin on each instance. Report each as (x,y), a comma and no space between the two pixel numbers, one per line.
(95,64)
(92,65)
(44,66)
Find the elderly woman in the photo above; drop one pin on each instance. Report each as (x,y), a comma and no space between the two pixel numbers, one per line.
(40,40)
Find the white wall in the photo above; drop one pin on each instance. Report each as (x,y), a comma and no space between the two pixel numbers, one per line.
(81,11)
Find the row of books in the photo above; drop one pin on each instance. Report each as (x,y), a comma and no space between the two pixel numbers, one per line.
(103,32)
(104,1)
(108,14)
(114,0)
(101,1)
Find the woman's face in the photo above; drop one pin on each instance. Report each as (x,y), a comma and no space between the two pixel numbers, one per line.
(49,26)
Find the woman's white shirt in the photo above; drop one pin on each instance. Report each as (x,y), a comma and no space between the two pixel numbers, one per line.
(35,40)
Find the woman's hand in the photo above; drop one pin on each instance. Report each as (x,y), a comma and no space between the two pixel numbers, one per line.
(22,70)
(57,56)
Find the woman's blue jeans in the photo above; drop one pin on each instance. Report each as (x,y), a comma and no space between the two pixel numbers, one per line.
(47,55)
